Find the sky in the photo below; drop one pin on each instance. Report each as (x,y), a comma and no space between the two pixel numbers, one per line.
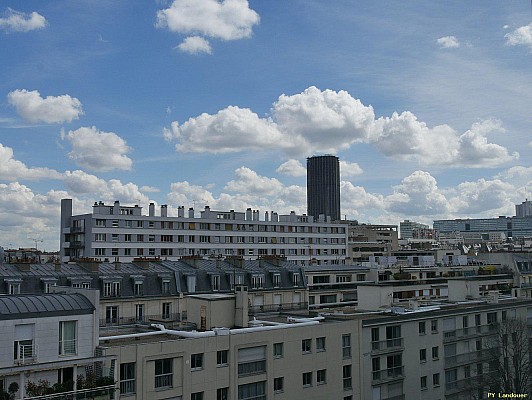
(219,103)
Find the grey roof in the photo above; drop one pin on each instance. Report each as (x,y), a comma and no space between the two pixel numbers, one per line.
(43,305)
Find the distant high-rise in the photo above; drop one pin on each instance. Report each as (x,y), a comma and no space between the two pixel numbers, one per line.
(323,186)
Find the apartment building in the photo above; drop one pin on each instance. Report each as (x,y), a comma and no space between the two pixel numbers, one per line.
(367,240)
(116,232)
(52,338)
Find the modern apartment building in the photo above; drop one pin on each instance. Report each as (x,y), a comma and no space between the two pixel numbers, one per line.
(123,233)
(415,230)
(323,187)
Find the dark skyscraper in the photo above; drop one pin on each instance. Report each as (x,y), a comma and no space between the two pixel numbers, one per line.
(323,186)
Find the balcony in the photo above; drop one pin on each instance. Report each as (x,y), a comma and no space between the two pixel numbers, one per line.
(466,333)
(461,385)
(386,346)
(76,244)
(386,375)
(277,307)
(99,393)
(468,358)
(145,319)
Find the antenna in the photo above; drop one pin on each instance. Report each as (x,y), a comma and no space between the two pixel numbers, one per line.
(36,241)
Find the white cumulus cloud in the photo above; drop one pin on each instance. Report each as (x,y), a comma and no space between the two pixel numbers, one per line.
(520,36)
(195,45)
(226,19)
(349,169)
(448,42)
(97,150)
(316,121)
(12,170)
(16,21)
(292,168)
(51,110)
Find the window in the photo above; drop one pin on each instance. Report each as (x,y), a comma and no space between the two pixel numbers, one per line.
(166,310)
(252,391)
(346,346)
(166,286)
(163,373)
(276,280)
(100,222)
(277,350)
(196,361)
(139,312)
(99,252)
(139,289)
(435,379)
(320,344)
(215,282)
(376,367)
(307,379)
(14,288)
(222,393)
(423,382)
(278,384)
(422,355)
(393,336)
(127,378)
(257,281)
(435,353)
(111,315)
(434,326)
(346,376)
(111,289)
(67,337)
(394,365)
(295,279)
(421,328)
(114,223)
(251,360)
(321,377)
(99,237)
(151,238)
(222,357)
(306,345)
(114,237)
(140,238)
(196,396)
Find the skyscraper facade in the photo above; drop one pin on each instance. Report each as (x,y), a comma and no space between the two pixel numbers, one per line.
(323,186)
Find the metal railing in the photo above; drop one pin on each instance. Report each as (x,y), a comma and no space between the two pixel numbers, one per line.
(277,307)
(67,347)
(100,393)
(461,385)
(127,386)
(388,374)
(472,331)
(251,368)
(387,345)
(145,319)
(471,357)
(26,353)
(164,380)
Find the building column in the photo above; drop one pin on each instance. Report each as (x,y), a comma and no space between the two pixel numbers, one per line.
(22,383)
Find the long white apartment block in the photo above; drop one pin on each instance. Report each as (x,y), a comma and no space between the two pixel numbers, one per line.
(122,233)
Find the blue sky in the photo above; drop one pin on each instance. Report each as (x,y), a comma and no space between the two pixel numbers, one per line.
(216,103)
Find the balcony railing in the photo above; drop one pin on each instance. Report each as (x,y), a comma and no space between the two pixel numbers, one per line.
(145,319)
(163,381)
(26,354)
(387,345)
(467,358)
(477,330)
(471,383)
(127,386)
(67,347)
(278,307)
(388,374)
(251,368)
(100,393)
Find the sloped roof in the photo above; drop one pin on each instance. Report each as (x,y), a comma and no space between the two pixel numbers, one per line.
(43,305)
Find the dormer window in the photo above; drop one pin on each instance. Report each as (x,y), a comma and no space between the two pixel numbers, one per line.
(14,288)
(215,282)
(111,289)
(276,280)
(257,281)
(295,279)
(166,286)
(139,288)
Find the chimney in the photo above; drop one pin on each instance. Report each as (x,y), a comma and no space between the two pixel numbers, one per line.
(241,307)
(248,214)
(116,208)
(57,266)
(181,211)
(266,216)
(164,210)
(191,212)
(151,211)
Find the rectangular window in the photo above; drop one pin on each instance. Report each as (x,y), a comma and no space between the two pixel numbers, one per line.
(196,396)
(151,238)
(99,251)
(346,346)
(422,355)
(114,223)
(127,252)
(166,310)
(127,378)
(306,345)
(139,312)
(215,282)
(139,291)
(222,357)
(222,393)
(321,377)
(421,328)
(196,361)
(67,338)
(423,382)
(252,391)
(114,237)
(251,360)
(346,376)
(277,350)
(111,315)
(100,223)
(320,344)
(99,237)
(163,373)
(435,353)
(434,326)
(436,380)
(257,281)
(307,379)
(276,280)
(278,384)
(165,287)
